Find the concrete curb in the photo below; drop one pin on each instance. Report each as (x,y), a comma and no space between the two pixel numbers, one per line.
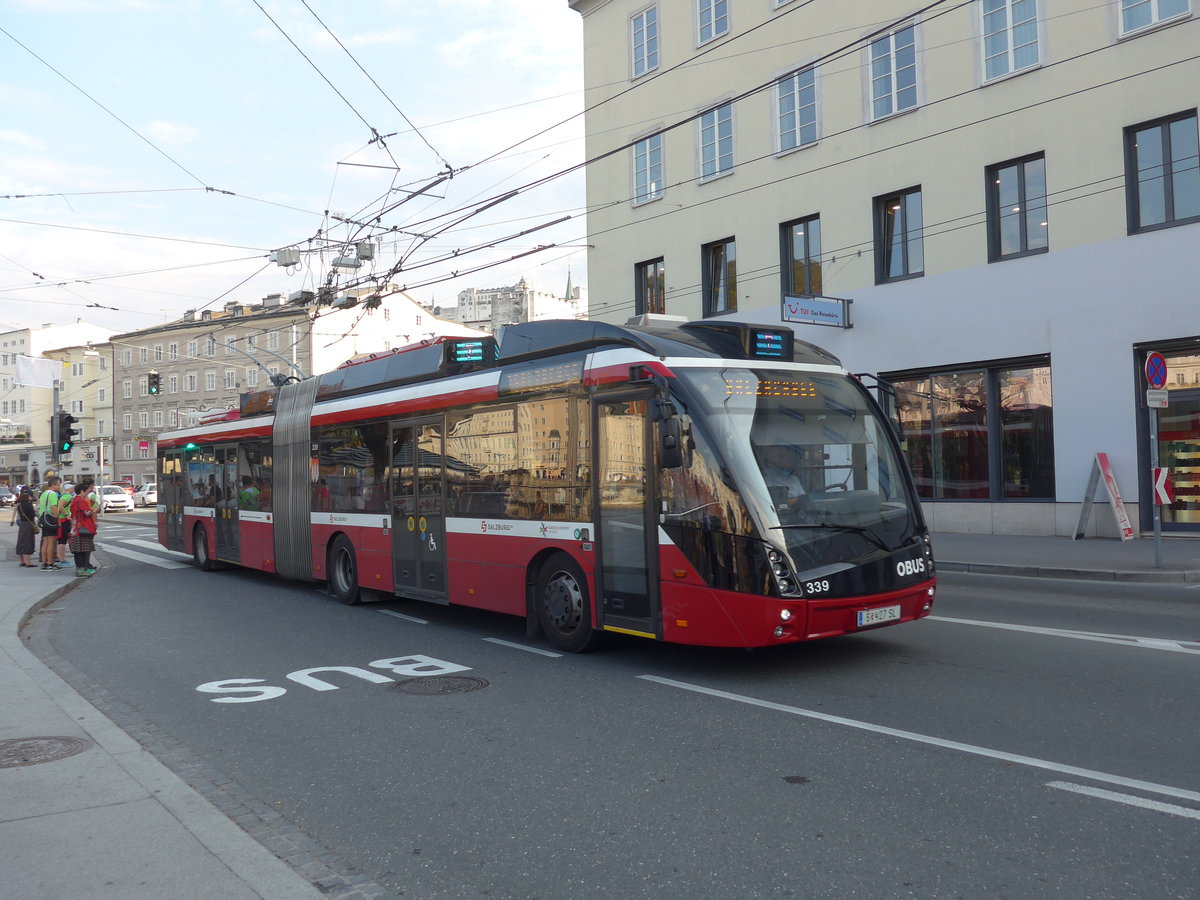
(1124,577)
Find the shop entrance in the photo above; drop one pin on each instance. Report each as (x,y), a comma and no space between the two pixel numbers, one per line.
(1178,443)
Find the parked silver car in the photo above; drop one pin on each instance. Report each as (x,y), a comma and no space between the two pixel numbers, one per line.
(146,495)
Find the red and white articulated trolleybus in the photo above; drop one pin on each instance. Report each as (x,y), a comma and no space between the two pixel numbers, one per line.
(712,483)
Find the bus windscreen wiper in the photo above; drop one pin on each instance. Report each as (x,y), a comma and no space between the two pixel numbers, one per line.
(837,526)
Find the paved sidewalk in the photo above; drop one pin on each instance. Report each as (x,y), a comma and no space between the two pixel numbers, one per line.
(109,821)
(1098,559)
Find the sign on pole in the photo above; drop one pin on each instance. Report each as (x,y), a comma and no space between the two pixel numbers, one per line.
(1164,492)
(1101,468)
(1156,369)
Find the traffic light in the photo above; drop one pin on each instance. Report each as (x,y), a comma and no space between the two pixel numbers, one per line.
(66,434)
(153,383)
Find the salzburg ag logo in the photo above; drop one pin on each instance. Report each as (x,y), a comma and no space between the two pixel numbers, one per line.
(483,527)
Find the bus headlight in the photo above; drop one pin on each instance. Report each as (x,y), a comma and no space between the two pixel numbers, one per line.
(785,615)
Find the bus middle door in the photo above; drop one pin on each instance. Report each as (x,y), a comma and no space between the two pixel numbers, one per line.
(418,509)
(628,532)
(225,506)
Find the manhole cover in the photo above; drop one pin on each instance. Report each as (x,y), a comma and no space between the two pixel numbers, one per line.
(442,684)
(34,750)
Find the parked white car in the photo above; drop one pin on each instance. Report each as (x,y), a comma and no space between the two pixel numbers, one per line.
(114,497)
(146,495)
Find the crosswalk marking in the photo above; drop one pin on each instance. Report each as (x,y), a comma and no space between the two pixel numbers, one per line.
(152,545)
(143,557)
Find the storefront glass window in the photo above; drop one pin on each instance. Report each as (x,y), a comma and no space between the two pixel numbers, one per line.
(960,436)
(1028,432)
(1179,439)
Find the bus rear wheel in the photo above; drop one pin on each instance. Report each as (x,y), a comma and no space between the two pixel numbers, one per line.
(200,555)
(342,568)
(563,607)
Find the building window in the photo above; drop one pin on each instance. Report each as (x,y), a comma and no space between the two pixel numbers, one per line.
(801,266)
(158,418)
(719,277)
(230,379)
(716,141)
(894,73)
(127,451)
(252,342)
(172,418)
(172,384)
(158,352)
(102,395)
(229,346)
(1016,208)
(143,355)
(190,382)
(172,352)
(647,169)
(143,452)
(210,347)
(143,386)
(644,32)
(650,287)
(1010,36)
(1138,14)
(713,19)
(100,426)
(127,357)
(210,381)
(143,420)
(979,434)
(796,100)
(251,377)
(127,389)
(191,349)
(273,337)
(899,248)
(1162,173)
(127,421)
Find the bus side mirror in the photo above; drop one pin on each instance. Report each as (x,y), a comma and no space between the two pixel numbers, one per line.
(671,450)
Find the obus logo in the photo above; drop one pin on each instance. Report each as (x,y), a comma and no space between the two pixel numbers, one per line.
(910,566)
(415,666)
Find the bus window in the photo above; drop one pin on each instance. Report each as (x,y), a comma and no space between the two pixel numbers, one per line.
(351,471)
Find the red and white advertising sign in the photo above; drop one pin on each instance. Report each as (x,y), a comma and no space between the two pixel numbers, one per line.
(1114,497)
(1164,493)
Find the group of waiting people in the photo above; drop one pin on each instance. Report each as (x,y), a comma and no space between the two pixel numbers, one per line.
(64,519)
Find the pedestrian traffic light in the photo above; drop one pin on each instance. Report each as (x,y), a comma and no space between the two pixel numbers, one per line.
(153,382)
(66,434)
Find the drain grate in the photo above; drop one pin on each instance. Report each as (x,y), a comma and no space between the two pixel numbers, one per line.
(34,750)
(442,684)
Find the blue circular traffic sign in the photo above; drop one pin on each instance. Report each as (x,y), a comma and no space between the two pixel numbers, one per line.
(1156,370)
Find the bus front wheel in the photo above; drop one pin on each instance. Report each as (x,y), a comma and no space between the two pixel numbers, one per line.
(200,554)
(342,569)
(563,607)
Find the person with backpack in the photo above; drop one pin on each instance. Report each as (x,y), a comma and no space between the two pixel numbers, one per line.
(47,511)
(83,538)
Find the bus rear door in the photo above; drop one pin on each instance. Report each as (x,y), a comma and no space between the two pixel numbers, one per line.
(418,512)
(628,534)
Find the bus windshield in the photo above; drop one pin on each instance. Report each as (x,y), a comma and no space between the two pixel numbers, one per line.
(808,456)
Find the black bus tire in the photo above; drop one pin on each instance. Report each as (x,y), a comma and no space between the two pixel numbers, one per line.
(200,555)
(564,609)
(342,571)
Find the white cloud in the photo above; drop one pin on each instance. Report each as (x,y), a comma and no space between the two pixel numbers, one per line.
(172,133)
(20,139)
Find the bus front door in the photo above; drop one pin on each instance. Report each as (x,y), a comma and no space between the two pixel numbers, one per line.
(225,504)
(170,498)
(418,509)
(627,530)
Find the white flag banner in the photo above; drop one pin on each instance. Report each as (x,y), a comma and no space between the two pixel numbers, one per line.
(36,372)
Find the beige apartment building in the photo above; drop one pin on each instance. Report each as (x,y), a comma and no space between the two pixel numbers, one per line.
(995,205)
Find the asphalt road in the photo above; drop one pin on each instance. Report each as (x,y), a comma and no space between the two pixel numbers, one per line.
(1053,756)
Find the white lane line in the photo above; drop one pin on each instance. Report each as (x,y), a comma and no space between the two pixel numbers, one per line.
(1127,640)
(388,612)
(1091,774)
(1127,799)
(537,650)
(151,545)
(144,557)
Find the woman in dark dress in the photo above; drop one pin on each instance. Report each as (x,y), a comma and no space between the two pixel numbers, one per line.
(25,515)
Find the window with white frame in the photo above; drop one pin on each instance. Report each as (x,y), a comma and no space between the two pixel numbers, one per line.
(230,379)
(172,384)
(144,452)
(143,355)
(644,35)
(894,73)
(143,386)
(796,105)
(251,377)
(716,141)
(127,357)
(1010,36)
(143,420)
(712,19)
(210,381)
(172,352)
(158,352)
(158,418)
(172,418)
(192,347)
(647,169)
(273,337)
(1139,14)
(229,346)
(210,347)
(100,426)
(127,421)
(189,382)
(102,395)
(127,451)
(127,389)
(252,342)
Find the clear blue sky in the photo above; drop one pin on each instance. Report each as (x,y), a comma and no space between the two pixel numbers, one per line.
(223,100)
